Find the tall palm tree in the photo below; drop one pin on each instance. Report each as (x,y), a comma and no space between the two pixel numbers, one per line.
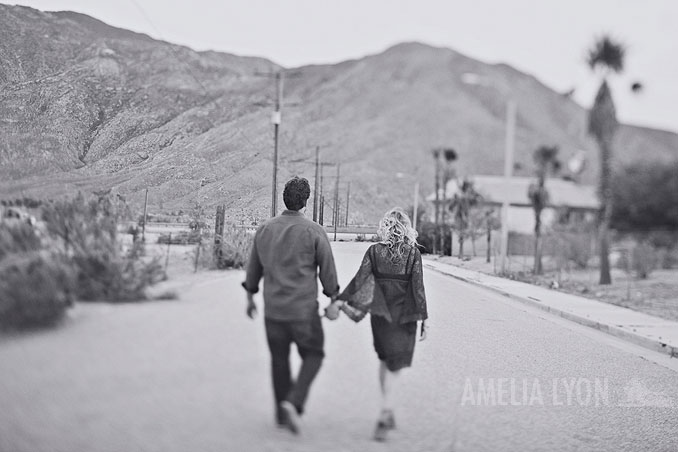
(607,57)
(546,162)
(463,201)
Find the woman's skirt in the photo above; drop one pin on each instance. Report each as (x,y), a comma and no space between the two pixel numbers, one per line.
(393,342)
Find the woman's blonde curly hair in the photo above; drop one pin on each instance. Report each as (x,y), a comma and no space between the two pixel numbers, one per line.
(395,231)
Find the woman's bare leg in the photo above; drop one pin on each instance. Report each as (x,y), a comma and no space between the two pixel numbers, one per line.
(388,382)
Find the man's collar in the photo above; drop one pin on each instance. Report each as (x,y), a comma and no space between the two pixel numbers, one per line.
(292,212)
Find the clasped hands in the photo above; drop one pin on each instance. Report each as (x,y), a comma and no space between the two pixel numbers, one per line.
(333,310)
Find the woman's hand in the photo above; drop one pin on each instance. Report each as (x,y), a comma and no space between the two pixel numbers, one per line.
(333,309)
(424,331)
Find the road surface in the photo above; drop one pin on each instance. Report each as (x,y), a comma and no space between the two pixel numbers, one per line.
(193,375)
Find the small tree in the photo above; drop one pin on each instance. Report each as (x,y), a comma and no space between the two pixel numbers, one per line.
(546,162)
(491,223)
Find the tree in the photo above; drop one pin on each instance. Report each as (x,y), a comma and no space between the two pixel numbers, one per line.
(463,201)
(607,56)
(442,175)
(646,197)
(546,162)
(491,222)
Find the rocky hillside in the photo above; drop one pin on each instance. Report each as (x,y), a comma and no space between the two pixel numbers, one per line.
(86,106)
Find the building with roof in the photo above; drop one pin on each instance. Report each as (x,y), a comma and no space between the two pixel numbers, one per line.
(582,200)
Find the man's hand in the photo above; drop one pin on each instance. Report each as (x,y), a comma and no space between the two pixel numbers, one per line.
(333,310)
(251,307)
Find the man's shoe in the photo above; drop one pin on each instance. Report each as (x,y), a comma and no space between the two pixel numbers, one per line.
(290,417)
(388,418)
(380,431)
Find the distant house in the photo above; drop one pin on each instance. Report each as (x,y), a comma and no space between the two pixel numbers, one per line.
(580,200)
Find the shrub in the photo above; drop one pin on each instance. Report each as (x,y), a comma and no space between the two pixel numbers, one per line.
(427,235)
(36,288)
(17,237)
(108,277)
(234,249)
(88,230)
(181,238)
(572,246)
(643,260)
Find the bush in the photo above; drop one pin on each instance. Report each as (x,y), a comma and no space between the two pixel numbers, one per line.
(644,260)
(107,277)
(427,235)
(640,259)
(35,289)
(572,246)
(17,237)
(181,238)
(234,249)
(35,286)
(87,228)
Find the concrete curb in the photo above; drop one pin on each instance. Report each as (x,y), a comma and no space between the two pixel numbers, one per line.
(614,330)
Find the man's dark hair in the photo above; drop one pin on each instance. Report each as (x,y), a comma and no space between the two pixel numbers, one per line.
(296,193)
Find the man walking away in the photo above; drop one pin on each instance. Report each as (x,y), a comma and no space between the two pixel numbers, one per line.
(290,252)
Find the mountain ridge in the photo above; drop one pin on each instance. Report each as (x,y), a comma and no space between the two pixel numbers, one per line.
(112,108)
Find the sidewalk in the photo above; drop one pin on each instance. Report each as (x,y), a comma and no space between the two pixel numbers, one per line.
(642,329)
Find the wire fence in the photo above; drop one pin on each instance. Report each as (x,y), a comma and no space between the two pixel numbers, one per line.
(568,252)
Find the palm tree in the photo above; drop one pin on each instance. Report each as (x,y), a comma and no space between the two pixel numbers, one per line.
(463,201)
(546,161)
(607,56)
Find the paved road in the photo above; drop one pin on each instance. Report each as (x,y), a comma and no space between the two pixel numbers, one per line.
(193,375)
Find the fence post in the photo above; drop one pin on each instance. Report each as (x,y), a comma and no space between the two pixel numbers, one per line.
(219,236)
(197,255)
(169,243)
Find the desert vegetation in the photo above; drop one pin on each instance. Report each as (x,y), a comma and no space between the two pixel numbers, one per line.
(74,251)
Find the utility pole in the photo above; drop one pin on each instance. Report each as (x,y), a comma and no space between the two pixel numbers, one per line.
(348,197)
(511,112)
(336,201)
(276,119)
(315,184)
(321,196)
(416,202)
(321,210)
(443,208)
(143,226)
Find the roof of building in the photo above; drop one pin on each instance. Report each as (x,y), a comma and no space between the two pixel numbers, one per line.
(496,189)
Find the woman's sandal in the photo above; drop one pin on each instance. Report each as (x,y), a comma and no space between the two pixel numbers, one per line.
(385,423)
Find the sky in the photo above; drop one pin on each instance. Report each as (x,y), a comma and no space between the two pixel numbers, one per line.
(545,38)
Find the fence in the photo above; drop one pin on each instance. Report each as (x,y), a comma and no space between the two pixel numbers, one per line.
(567,251)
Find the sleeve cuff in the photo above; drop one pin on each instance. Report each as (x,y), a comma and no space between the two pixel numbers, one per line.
(244,285)
(329,295)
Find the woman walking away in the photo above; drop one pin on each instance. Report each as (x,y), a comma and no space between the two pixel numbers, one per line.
(390,286)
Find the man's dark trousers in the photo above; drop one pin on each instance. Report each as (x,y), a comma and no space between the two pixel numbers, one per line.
(309,339)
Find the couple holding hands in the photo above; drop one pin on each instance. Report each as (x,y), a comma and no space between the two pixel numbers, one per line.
(291,252)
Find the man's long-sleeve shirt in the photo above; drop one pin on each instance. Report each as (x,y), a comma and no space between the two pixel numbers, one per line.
(288,251)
